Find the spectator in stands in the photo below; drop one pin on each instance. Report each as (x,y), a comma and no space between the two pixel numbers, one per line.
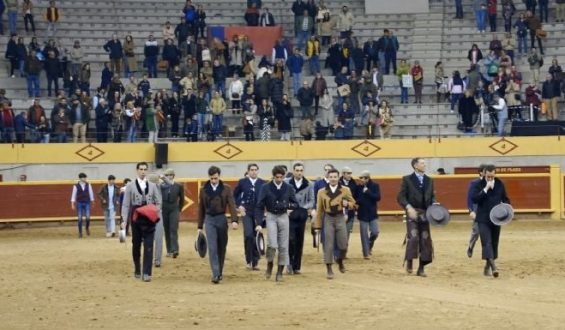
(327,112)
(295,64)
(386,120)
(33,69)
(151,124)
(107,75)
(279,52)
(132,116)
(560,11)
(168,32)
(456,86)
(84,78)
(533,99)
(345,22)
(200,24)
(403,69)
(475,55)
(303,29)
(103,119)
(347,119)
(27,7)
(43,131)
(7,125)
(531,5)
(521,33)
(551,92)
(491,64)
(116,85)
(492,9)
(12,54)
(22,55)
(508,45)
(534,25)
(12,8)
(2,9)
(298,7)
(34,44)
(266,119)
(495,45)
(515,75)
(20,125)
(508,10)
(458,9)
(354,87)
(219,74)
(513,101)
(555,70)
(76,55)
(438,76)
(502,113)
(79,118)
(417,73)
(52,15)
(333,60)
(52,70)
(319,86)
(467,109)
(258,3)
(114,49)
(266,19)
(307,129)
(34,114)
(326,26)
(543,10)
(182,31)
(218,108)
(252,16)
(313,49)
(305,97)
(284,115)
(236,55)
(131,59)
(60,120)
(171,54)
(151,52)
(535,61)
(144,85)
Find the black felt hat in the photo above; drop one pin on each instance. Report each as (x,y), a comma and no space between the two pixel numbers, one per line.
(200,245)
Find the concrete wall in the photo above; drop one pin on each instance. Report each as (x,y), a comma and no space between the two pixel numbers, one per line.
(396,6)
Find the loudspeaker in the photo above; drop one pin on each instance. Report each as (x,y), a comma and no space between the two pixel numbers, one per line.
(161,154)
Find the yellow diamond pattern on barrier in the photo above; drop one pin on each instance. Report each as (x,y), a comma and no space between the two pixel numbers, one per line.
(503,146)
(366,148)
(187,203)
(89,152)
(228,151)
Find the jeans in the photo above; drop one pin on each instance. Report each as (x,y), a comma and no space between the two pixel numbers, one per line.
(62,137)
(201,122)
(369,231)
(501,122)
(217,238)
(382,60)
(390,58)
(33,86)
(51,29)
(151,62)
(543,12)
(314,64)
(522,45)
(404,95)
(455,100)
(132,130)
(110,220)
(221,87)
(21,66)
(217,123)
(306,113)
(458,8)
(8,134)
(296,82)
(142,232)
(481,17)
(301,38)
(251,253)
(12,21)
(83,211)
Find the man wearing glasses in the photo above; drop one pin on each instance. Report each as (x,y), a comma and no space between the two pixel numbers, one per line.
(276,197)
(173,201)
(138,193)
(367,199)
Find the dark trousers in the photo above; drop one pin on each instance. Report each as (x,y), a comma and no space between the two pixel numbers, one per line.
(492,22)
(217,238)
(533,38)
(474,235)
(390,58)
(28,19)
(52,80)
(142,231)
(101,132)
(251,253)
(296,243)
(171,228)
(419,241)
(490,234)
(14,64)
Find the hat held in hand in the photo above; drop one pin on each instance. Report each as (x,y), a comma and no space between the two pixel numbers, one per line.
(501,214)
(437,215)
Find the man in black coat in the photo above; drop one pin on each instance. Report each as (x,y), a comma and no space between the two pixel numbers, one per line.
(489,193)
(415,196)
(369,194)
(52,67)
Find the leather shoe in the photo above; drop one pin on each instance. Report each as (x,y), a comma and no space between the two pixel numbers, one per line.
(421,272)
(279,277)
(469,252)
(157,264)
(175,254)
(137,275)
(487,271)
(341,266)
(409,266)
(216,279)
(330,273)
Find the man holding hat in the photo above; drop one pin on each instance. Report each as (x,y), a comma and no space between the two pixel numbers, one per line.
(472,211)
(367,198)
(304,193)
(173,201)
(81,199)
(109,196)
(415,196)
(215,198)
(346,180)
(488,194)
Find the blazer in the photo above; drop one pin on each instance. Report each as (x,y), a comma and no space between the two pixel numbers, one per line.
(331,203)
(173,195)
(246,194)
(411,194)
(133,196)
(486,201)
(367,201)
(304,194)
(215,202)
(103,195)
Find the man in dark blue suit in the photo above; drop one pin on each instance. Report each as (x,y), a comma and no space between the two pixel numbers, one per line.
(318,185)
(415,196)
(472,211)
(245,195)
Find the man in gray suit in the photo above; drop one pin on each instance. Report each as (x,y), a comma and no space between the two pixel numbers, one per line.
(415,196)
(173,201)
(138,193)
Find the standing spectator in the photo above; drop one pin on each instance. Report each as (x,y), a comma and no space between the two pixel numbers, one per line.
(319,85)
(171,54)
(456,87)
(531,5)
(114,49)
(131,59)
(107,75)
(345,22)
(235,92)
(144,85)
(81,199)
(52,70)
(560,11)
(480,15)
(8,121)
(79,117)
(252,16)
(327,26)
(218,108)
(390,48)
(533,99)
(403,70)
(295,64)
(168,32)
(495,45)
(266,18)
(279,52)
(84,78)
(76,58)
(190,15)
(475,54)
(150,119)
(306,97)
(52,15)
(535,61)
(327,113)
(151,51)
(346,116)
(502,113)
(27,7)
(60,120)
(236,55)
(313,53)
(467,108)
(551,92)
(386,120)
(34,115)
(266,119)
(439,74)
(508,45)
(543,10)
(521,33)
(534,25)
(20,124)
(333,60)
(200,24)
(417,73)
(459,9)
(182,31)
(22,55)
(43,130)
(508,10)
(12,54)
(306,128)
(2,9)
(103,119)
(298,7)
(491,8)
(303,29)
(219,74)
(12,8)
(284,115)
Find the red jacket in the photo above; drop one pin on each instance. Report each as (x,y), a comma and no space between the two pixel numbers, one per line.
(491,7)
(7,117)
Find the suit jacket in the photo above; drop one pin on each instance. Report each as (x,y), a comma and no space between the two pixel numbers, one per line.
(486,201)
(173,195)
(331,203)
(412,194)
(134,197)
(103,195)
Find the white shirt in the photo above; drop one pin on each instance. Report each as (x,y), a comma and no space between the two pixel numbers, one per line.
(111,196)
(142,183)
(501,106)
(298,183)
(214,186)
(82,185)
(253,181)
(333,188)
(279,186)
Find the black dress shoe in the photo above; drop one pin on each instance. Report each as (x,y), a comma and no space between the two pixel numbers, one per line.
(469,252)
(409,266)
(137,275)
(216,279)
(421,272)
(486,271)
(87,231)
(175,254)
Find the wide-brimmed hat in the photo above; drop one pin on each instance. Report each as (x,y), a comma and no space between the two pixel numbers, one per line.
(260,243)
(122,235)
(200,245)
(501,214)
(437,215)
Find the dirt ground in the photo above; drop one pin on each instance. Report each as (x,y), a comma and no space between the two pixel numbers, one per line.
(52,280)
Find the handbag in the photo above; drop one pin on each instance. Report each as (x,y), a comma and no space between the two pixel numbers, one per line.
(540,33)
(344,90)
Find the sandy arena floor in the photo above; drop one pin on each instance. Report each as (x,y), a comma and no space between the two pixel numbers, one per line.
(52,280)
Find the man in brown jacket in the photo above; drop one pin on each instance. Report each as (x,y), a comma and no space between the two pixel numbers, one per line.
(333,202)
(215,197)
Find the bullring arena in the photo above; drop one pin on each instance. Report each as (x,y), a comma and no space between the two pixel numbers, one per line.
(52,280)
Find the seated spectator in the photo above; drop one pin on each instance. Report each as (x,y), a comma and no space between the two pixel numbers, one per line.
(267,19)
(252,16)
(307,128)
(386,120)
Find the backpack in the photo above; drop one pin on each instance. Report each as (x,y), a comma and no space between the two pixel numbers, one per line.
(492,69)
